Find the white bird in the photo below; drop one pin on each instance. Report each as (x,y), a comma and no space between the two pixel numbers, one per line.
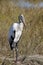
(15,33)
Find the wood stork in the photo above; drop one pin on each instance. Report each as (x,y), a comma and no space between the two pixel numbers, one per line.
(15,33)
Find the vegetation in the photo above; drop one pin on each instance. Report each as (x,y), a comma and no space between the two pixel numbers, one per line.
(32,39)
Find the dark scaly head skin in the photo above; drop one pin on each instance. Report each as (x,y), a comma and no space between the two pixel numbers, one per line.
(21,19)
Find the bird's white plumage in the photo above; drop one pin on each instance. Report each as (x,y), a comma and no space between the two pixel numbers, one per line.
(18,28)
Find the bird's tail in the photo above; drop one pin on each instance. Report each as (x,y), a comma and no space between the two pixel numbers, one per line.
(11,47)
(11,42)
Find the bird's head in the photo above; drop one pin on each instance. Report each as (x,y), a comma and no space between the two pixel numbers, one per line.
(22,19)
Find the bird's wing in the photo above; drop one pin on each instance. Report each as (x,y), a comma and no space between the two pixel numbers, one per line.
(17,36)
(14,32)
(12,29)
(18,32)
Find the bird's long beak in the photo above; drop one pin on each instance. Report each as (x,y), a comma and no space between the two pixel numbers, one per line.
(24,24)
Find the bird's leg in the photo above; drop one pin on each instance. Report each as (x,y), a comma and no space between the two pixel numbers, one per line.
(16,49)
(13,53)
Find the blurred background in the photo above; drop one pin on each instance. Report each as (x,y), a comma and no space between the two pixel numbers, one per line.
(31,42)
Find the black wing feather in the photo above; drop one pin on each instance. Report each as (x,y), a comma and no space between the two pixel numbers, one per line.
(11,41)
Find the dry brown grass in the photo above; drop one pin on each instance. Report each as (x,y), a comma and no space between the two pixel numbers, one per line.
(32,39)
